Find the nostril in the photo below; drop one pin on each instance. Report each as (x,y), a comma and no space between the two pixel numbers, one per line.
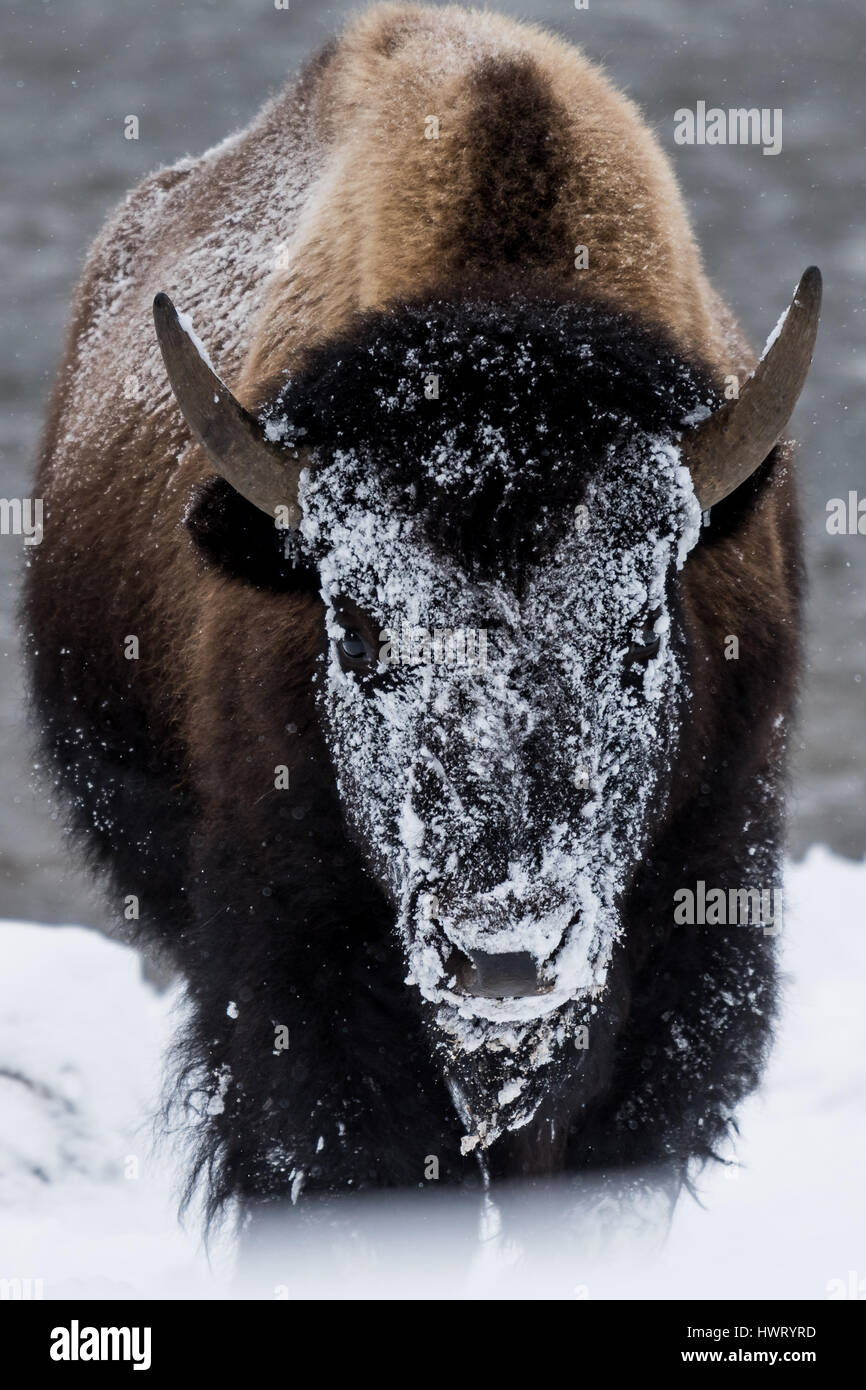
(508,975)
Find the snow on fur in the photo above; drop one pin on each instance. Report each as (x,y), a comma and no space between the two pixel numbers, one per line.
(429,756)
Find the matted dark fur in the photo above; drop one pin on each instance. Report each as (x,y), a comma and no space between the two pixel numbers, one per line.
(594,377)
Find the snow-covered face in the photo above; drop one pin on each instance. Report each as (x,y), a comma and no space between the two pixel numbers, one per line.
(502,756)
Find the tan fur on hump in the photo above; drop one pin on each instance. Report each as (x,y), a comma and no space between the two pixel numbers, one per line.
(379,226)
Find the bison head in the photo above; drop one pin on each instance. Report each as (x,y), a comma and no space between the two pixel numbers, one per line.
(498,500)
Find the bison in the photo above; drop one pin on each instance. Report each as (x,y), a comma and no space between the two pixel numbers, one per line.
(386,664)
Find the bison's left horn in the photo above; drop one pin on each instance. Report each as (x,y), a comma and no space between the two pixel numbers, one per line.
(232,438)
(726,448)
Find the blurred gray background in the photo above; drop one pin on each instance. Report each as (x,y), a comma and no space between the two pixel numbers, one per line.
(193,70)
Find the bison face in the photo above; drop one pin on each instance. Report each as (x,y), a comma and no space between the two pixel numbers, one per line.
(503,745)
(504,683)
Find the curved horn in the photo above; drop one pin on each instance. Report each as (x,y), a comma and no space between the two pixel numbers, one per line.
(262,471)
(726,448)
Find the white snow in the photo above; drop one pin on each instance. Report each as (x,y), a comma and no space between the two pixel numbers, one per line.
(780,323)
(186,324)
(88,1206)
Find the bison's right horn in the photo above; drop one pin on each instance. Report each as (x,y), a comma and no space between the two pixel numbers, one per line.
(232,438)
(726,448)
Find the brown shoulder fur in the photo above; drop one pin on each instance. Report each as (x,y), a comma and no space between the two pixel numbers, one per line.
(537,153)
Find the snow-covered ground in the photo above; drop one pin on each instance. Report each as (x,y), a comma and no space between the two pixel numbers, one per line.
(88,1205)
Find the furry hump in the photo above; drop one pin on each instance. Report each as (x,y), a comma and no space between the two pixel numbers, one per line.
(460,145)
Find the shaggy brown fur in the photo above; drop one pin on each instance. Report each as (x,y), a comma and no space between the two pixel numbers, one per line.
(331,203)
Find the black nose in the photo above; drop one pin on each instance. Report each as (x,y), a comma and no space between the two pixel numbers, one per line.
(506,976)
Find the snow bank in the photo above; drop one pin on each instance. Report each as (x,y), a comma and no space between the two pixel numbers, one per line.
(88,1206)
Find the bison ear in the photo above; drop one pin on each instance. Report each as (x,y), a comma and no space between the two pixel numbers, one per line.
(233,536)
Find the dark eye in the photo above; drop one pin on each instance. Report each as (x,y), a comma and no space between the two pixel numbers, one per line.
(353,646)
(356,641)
